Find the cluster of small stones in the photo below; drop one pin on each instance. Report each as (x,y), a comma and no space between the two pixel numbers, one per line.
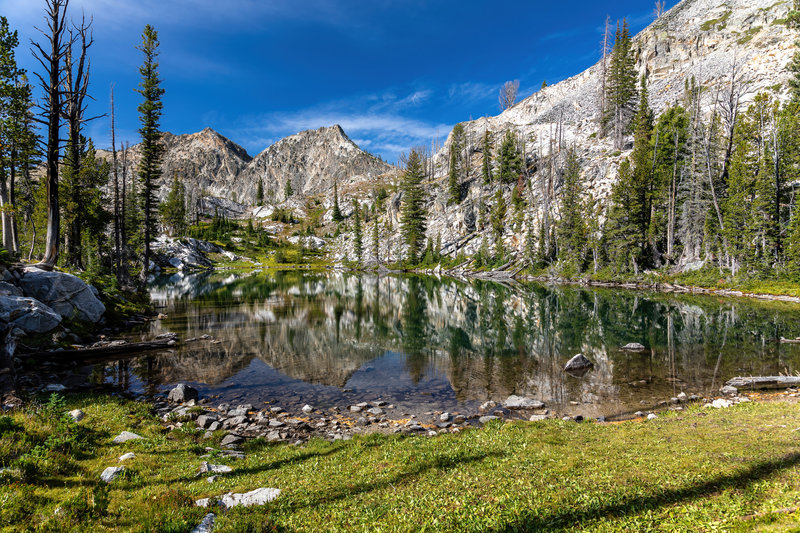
(273,423)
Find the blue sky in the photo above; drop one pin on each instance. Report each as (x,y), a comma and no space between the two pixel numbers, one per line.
(393,73)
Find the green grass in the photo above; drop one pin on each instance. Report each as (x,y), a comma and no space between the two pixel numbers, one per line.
(717,24)
(700,470)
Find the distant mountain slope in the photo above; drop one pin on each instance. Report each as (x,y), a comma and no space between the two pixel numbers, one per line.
(211,165)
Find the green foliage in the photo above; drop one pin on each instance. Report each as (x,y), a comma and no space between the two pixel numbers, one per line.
(260,192)
(150,111)
(571,230)
(287,190)
(413,217)
(358,241)
(173,208)
(620,85)
(337,213)
(486,165)
(453,180)
(498,219)
(510,160)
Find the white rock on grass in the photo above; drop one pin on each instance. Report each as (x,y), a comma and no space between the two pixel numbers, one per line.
(77,415)
(720,403)
(652,416)
(247,499)
(214,469)
(111,473)
(125,436)
(127,456)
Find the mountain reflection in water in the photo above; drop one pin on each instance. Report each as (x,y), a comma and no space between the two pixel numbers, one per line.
(295,337)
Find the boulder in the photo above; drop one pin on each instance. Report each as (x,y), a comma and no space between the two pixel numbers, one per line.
(518,402)
(28,314)
(67,295)
(247,499)
(7,289)
(125,436)
(182,393)
(633,347)
(207,525)
(77,415)
(111,473)
(578,364)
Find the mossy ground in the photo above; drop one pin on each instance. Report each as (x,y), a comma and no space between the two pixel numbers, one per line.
(697,470)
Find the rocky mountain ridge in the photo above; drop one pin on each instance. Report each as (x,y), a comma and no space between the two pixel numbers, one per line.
(217,172)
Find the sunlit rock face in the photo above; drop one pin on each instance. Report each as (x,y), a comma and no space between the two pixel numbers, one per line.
(220,175)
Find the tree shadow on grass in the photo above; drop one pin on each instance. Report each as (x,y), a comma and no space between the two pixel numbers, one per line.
(442,463)
(571,518)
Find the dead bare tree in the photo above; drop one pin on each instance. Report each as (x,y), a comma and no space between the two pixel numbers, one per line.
(729,99)
(508,94)
(117,245)
(660,9)
(606,51)
(76,88)
(50,114)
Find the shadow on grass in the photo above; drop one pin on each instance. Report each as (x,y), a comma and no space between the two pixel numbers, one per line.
(571,518)
(442,462)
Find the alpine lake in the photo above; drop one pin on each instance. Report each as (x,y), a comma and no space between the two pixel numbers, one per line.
(427,345)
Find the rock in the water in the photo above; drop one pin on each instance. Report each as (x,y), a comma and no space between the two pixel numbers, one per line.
(634,347)
(207,525)
(444,417)
(125,436)
(64,293)
(111,473)
(247,499)
(579,363)
(127,456)
(28,314)
(182,393)
(307,409)
(77,415)
(375,411)
(518,402)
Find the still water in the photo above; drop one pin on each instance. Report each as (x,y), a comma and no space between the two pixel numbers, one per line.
(328,339)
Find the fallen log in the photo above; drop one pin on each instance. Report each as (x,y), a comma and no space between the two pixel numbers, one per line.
(105,351)
(790,341)
(764,382)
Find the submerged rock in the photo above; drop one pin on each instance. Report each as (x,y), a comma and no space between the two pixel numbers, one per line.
(578,364)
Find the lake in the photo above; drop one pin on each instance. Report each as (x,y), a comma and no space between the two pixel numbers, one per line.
(291,338)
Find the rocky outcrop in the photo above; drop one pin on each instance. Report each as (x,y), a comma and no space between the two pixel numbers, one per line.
(700,39)
(183,254)
(67,295)
(311,161)
(219,175)
(27,314)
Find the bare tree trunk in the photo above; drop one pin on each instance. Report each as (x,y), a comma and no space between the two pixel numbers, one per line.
(117,242)
(51,61)
(8,242)
(12,197)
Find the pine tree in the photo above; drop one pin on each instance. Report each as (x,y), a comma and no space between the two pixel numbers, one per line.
(530,243)
(499,224)
(287,190)
(358,241)
(150,111)
(260,193)
(621,230)
(437,249)
(642,186)
(412,212)
(486,166)
(453,185)
(794,68)
(621,85)
(376,247)
(572,231)
(173,208)
(510,166)
(337,213)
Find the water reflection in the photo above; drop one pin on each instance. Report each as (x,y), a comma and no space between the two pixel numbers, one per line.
(298,337)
